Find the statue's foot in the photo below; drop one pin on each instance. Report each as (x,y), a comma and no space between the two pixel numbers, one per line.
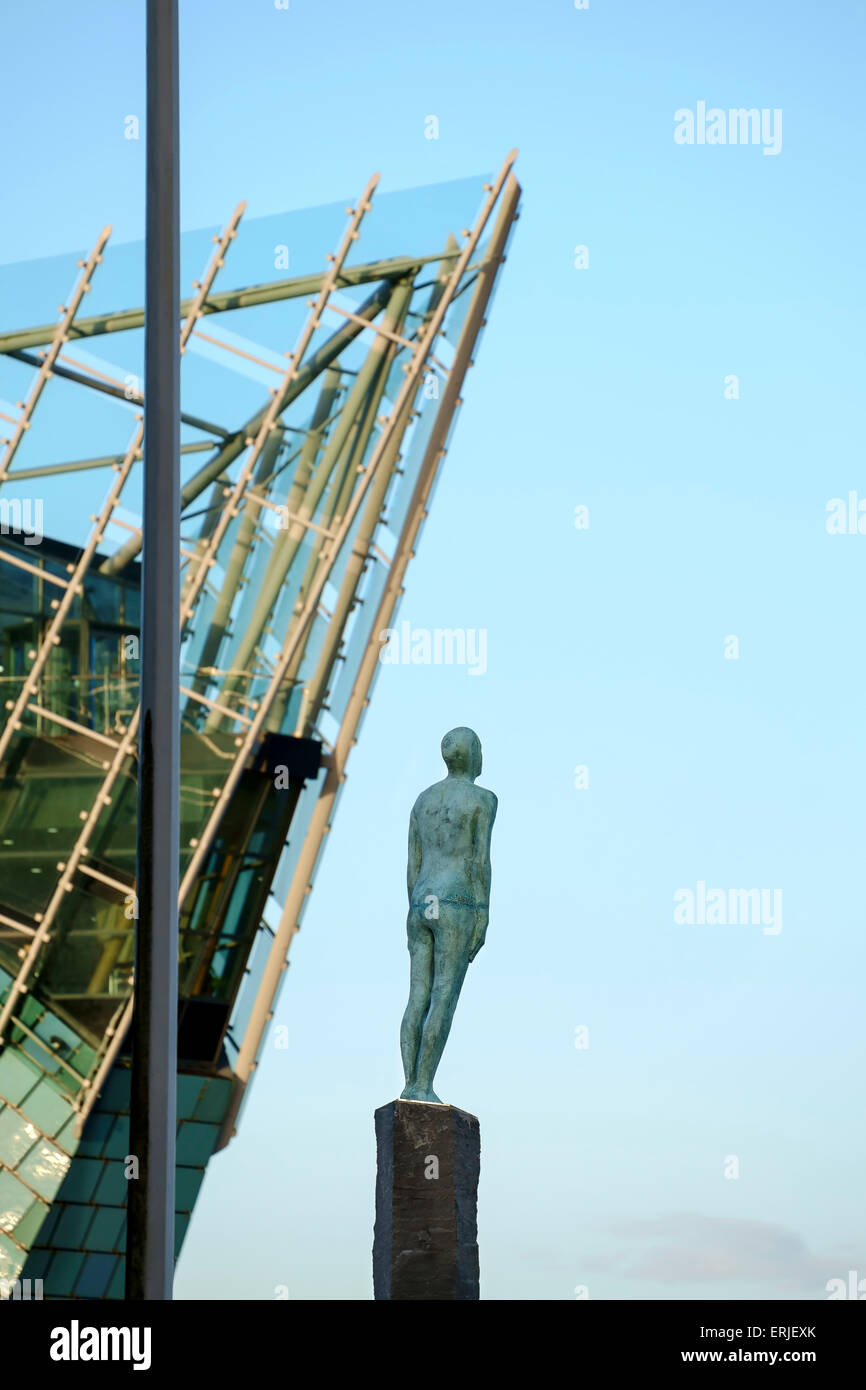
(428,1097)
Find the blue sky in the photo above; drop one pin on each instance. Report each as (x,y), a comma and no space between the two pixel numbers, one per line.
(602,1167)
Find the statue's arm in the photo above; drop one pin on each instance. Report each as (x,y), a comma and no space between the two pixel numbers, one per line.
(483,831)
(413,866)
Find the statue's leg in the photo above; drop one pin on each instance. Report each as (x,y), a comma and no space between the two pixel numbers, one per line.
(420,983)
(450,963)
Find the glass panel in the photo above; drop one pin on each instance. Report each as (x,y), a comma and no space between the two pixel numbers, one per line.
(104,1231)
(17,1076)
(81,1180)
(29,1226)
(17,1136)
(15,1200)
(195,1142)
(222,916)
(73,1223)
(47,1108)
(44,1168)
(356,641)
(93,1280)
(87,968)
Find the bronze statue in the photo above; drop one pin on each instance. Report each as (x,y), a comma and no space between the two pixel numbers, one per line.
(449,897)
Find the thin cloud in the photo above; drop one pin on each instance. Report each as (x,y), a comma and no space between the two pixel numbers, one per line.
(685,1247)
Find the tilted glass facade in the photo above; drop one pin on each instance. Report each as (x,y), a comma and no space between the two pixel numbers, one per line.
(323,357)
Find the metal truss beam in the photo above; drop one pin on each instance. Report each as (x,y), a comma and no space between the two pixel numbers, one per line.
(107,461)
(395,268)
(97,381)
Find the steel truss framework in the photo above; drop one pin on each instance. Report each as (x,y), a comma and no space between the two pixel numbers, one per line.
(296,544)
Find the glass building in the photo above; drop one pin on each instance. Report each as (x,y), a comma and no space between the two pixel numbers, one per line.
(318,395)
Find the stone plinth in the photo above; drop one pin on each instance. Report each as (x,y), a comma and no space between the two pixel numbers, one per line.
(425,1244)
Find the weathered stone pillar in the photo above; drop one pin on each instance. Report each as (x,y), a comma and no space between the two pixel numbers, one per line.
(425,1244)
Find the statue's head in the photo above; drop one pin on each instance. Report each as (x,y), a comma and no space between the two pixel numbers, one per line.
(461,749)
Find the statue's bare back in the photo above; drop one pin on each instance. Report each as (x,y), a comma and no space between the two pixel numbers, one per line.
(450,820)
